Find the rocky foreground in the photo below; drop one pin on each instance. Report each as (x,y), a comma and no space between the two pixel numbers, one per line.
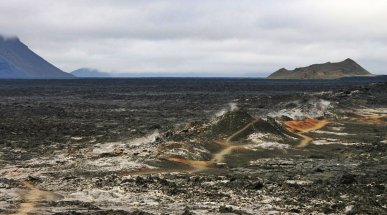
(274,153)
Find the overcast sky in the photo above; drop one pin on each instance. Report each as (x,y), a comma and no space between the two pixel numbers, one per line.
(223,38)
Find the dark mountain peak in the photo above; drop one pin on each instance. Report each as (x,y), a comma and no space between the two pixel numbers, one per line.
(18,61)
(283,70)
(11,42)
(349,60)
(9,39)
(346,68)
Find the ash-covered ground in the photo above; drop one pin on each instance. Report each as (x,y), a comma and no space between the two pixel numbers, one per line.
(193,146)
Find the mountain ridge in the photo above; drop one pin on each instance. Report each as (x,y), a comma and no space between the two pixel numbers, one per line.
(346,68)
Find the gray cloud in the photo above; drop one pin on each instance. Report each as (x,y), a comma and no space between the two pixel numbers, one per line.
(219,37)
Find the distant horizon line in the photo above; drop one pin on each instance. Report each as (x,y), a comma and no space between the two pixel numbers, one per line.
(169,74)
(214,77)
(185,75)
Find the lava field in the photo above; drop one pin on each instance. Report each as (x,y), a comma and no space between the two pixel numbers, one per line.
(192,146)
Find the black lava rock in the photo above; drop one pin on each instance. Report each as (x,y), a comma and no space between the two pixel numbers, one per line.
(348,179)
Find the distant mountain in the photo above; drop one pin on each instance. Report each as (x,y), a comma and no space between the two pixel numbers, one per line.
(346,68)
(17,61)
(94,73)
(90,73)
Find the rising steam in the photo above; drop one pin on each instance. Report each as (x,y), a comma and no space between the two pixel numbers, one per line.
(232,106)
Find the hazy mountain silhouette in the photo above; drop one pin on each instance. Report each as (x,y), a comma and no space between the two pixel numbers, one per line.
(90,73)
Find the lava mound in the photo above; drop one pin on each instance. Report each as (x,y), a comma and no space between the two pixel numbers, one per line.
(238,125)
(229,123)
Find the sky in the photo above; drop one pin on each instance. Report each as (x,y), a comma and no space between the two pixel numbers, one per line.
(203,37)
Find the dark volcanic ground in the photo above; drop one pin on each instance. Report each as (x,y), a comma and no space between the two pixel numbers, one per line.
(191,146)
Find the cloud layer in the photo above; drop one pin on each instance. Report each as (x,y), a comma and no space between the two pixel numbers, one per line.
(223,38)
